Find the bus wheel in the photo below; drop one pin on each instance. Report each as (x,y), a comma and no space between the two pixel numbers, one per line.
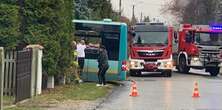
(183,68)
(214,71)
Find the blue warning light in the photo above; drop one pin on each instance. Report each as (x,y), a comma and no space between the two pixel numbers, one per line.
(216,27)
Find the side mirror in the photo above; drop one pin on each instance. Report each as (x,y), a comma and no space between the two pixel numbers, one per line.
(188,39)
(134,34)
(175,37)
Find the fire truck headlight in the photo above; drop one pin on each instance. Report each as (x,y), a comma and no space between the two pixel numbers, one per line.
(168,64)
(195,59)
(132,63)
(136,63)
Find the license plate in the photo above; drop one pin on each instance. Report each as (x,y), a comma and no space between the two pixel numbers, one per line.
(150,63)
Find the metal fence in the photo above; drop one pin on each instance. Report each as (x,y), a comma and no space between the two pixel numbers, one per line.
(23,75)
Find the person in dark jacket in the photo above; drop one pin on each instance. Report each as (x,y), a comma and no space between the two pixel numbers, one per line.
(103,65)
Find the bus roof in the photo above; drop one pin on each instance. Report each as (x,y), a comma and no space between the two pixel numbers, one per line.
(99,22)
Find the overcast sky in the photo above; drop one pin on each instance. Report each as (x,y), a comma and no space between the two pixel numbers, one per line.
(150,8)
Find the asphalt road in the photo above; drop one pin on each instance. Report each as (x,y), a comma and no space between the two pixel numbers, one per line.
(175,93)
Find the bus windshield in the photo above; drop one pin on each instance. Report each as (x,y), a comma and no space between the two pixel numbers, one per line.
(209,39)
(153,38)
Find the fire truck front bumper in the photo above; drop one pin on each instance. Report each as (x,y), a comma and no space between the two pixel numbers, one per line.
(202,63)
(157,66)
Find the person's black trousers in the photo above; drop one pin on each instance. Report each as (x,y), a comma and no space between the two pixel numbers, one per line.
(101,74)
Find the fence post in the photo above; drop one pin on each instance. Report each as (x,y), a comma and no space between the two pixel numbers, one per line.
(36,73)
(1,76)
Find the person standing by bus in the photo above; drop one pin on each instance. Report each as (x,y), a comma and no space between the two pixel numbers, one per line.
(81,55)
(103,65)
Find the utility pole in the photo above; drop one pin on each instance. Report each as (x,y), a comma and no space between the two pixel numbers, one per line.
(120,9)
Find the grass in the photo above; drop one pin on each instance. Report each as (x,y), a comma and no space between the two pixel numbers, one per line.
(8,100)
(85,91)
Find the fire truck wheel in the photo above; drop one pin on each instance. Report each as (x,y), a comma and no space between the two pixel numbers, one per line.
(167,73)
(183,68)
(214,71)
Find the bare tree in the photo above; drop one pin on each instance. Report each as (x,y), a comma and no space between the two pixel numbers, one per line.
(192,11)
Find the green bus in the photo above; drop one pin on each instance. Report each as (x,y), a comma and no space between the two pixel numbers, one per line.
(113,35)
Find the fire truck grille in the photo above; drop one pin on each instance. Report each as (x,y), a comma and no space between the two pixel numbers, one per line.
(210,55)
(150,54)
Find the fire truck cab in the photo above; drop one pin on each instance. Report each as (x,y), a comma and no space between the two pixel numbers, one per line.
(199,47)
(151,49)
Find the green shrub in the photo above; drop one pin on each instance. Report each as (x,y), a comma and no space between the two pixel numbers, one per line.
(49,23)
(9,25)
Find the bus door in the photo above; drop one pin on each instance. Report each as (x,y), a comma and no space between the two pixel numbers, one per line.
(111,40)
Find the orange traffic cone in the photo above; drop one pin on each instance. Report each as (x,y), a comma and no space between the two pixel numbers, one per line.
(134,91)
(196,91)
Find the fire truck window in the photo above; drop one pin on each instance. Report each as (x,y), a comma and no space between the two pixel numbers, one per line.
(197,37)
(149,37)
(209,39)
(220,37)
(139,41)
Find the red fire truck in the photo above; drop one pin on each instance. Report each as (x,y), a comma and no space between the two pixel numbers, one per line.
(151,49)
(199,47)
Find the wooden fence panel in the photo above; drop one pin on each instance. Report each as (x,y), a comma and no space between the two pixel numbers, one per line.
(10,73)
(1,76)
